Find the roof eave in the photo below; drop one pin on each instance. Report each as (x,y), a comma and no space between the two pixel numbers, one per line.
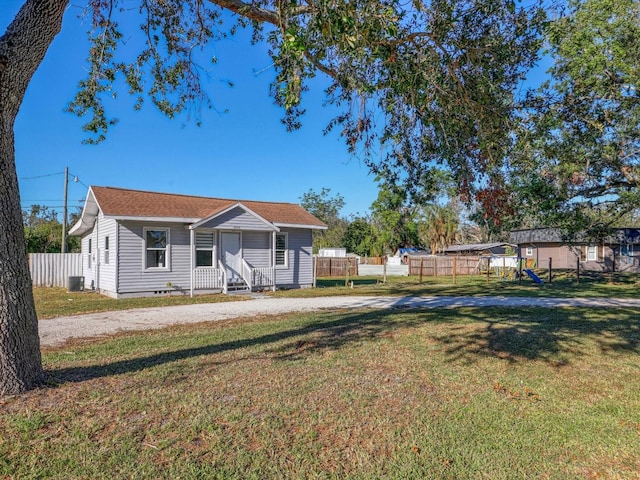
(299,225)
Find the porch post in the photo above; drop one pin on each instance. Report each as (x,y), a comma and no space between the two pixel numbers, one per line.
(191,235)
(273,259)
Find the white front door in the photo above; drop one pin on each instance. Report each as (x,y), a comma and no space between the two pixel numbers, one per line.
(231,254)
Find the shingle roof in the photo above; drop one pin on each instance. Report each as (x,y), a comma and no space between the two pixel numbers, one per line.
(477,247)
(621,235)
(121,202)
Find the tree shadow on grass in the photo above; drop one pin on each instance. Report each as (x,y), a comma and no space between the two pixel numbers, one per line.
(552,335)
(555,336)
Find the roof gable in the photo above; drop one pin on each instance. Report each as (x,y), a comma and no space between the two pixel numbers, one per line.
(232,217)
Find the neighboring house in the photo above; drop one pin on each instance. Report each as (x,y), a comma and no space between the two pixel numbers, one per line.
(496,248)
(618,252)
(138,243)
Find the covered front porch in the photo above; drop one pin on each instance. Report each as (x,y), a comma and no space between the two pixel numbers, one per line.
(235,250)
(219,279)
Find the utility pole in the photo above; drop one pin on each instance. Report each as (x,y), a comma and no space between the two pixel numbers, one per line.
(64,211)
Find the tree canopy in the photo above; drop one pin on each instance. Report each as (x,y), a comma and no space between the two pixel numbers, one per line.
(577,161)
(421,85)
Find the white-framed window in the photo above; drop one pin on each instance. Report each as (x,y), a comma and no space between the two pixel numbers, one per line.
(626,250)
(282,258)
(106,250)
(528,252)
(205,246)
(156,248)
(592,253)
(89,253)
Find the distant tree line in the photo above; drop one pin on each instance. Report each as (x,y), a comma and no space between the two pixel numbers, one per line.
(397,221)
(43,231)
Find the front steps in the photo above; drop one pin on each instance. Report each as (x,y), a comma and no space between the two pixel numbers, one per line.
(237,285)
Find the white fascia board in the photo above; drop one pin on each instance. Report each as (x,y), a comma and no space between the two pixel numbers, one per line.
(231,207)
(88,216)
(297,225)
(152,219)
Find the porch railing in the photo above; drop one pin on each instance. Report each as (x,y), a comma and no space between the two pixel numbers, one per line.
(246,274)
(208,278)
(258,277)
(224,276)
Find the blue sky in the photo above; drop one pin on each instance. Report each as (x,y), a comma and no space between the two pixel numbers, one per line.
(243,154)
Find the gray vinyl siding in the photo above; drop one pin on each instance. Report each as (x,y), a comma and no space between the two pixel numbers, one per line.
(88,259)
(237,219)
(299,272)
(256,248)
(132,275)
(106,273)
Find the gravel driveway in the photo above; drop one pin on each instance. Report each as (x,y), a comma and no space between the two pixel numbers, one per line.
(57,330)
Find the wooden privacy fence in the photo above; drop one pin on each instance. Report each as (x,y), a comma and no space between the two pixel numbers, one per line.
(336,266)
(372,260)
(436,266)
(54,269)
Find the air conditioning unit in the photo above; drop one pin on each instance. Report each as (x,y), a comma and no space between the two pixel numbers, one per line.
(75,284)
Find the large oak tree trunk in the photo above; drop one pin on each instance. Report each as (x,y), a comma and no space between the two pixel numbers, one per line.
(22,48)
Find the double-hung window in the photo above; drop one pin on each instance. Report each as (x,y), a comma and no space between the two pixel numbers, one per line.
(592,253)
(90,253)
(156,247)
(204,249)
(529,252)
(106,250)
(281,250)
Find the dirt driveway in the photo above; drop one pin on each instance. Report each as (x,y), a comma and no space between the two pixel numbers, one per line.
(55,331)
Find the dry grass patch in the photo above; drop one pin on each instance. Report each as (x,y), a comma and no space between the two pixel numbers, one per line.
(56,302)
(457,393)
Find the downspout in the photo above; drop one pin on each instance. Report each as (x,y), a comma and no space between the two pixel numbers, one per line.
(97,254)
(191,237)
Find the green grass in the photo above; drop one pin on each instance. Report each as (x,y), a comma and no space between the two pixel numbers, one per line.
(562,285)
(455,393)
(56,302)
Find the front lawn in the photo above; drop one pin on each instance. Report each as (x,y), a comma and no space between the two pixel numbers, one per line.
(455,393)
(562,285)
(53,302)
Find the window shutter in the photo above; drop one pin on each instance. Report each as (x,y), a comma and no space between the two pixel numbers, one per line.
(583,253)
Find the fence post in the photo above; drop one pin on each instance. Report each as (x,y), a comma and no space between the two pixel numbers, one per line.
(435,266)
(315,271)
(488,267)
(550,260)
(520,271)
(346,277)
(421,265)
(577,269)
(455,268)
(384,269)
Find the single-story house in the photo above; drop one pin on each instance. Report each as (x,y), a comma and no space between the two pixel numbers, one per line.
(617,252)
(495,248)
(139,243)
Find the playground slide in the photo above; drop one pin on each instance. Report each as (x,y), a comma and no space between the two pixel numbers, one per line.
(533,276)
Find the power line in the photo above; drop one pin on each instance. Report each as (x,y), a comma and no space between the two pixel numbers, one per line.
(76,179)
(41,176)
